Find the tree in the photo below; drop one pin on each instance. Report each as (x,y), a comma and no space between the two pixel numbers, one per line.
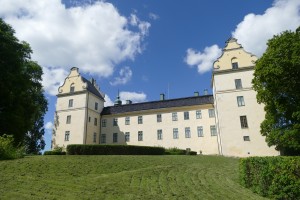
(277,82)
(22,101)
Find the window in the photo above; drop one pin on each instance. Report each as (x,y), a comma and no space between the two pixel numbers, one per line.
(198,114)
(140,119)
(244,123)
(103,122)
(103,138)
(95,137)
(69,119)
(187,132)
(127,120)
(240,101)
(235,65)
(115,122)
(213,130)
(175,133)
(186,116)
(238,83)
(67,135)
(95,121)
(159,134)
(158,118)
(115,137)
(89,119)
(211,113)
(96,106)
(127,137)
(174,116)
(200,131)
(72,87)
(140,136)
(246,138)
(70,103)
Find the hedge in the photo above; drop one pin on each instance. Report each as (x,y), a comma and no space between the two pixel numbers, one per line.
(272,177)
(176,151)
(82,149)
(54,153)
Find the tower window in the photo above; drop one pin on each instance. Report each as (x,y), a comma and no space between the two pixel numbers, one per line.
(70,103)
(240,101)
(67,135)
(95,121)
(244,123)
(238,84)
(96,106)
(72,88)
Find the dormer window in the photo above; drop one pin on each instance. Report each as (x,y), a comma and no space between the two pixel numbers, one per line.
(72,87)
(234,63)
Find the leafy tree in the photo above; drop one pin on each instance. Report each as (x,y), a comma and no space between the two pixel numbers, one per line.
(277,82)
(22,102)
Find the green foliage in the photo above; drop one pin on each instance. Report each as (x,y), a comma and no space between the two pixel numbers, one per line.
(273,177)
(82,149)
(56,151)
(277,82)
(176,151)
(8,150)
(22,101)
(123,177)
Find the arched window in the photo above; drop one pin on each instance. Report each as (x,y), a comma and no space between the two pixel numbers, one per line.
(234,63)
(72,87)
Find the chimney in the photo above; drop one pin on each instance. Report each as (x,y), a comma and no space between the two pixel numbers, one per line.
(196,94)
(205,92)
(162,97)
(128,102)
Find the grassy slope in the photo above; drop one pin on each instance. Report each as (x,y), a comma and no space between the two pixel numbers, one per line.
(122,177)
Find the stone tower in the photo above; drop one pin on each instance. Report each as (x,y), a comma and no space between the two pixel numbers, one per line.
(238,115)
(77,116)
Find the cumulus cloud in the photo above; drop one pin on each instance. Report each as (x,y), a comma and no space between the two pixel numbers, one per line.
(94,37)
(48,126)
(203,61)
(108,101)
(255,30)
(125,75)
(135,97)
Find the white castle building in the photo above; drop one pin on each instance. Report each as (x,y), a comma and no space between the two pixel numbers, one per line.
(225,123)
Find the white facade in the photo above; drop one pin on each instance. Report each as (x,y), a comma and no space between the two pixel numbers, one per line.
(227,123)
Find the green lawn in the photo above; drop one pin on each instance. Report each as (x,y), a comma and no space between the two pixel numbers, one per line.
(122,177)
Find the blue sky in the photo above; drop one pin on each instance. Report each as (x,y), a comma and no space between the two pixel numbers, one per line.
(142,48)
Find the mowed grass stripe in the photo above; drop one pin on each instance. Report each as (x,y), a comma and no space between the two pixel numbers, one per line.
(122,177)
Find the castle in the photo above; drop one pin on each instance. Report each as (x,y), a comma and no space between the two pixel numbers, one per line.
(225,123)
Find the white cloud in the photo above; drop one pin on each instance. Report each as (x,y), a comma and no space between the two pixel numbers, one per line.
(48,126)
(108,101)
(153,16)
(204,61)
(255,30)
(135,97)
(125,75)
(94,37)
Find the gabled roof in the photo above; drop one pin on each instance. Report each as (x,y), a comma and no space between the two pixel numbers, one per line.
(91,88)
(188,101)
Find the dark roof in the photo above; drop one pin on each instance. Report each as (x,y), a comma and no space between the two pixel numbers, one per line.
(188,101)
(91,88)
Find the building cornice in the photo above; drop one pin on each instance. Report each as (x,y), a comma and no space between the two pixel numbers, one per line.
(226,71)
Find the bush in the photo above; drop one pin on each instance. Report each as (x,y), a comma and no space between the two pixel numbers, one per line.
(81,149)
(56,151)
(176,151)
(272,177)
(47,153)
(8,150)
